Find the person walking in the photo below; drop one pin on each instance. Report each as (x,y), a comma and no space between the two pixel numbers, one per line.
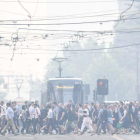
(104,119)
(31,117)
(10,122)
(23,119)
(2,115)
(86,120)
(37,118)
(50,120)
(55,113)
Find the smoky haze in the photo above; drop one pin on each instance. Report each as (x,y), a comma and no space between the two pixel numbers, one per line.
(97,38)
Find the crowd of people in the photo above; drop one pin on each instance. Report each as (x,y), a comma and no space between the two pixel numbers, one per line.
(69,118)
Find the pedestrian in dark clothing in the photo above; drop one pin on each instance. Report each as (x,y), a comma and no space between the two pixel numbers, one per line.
(104,119)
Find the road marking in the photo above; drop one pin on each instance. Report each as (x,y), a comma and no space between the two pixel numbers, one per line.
(117,137)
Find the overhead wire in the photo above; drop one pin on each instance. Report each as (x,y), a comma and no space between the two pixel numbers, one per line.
(75,54)
(82,14)
(62,35)
(12,13)
(66,16)
(81,50)
(75,17)
(72,23)
(31,19)
(97,38)
(29,15)
(14,49)
(60,18)
(36,8)
(95,1)
(121,15)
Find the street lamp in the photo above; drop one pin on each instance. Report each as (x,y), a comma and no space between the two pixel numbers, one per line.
(60,60)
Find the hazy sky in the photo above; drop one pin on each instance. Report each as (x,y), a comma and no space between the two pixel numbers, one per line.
(27,61)
(13,11)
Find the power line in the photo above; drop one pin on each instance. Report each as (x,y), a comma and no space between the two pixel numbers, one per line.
(12,13)
(71,17)
(121,15)
(24,9)
(60,18)
(81,14)
(71,23)
(83,31)
(116,47)
(55,53)
(36,8)
(95,1)
(66,15)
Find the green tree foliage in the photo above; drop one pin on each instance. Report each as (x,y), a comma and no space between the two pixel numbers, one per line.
(91,66)
(128,34)
(119,65)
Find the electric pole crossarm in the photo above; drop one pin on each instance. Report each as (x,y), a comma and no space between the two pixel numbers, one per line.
(60,60)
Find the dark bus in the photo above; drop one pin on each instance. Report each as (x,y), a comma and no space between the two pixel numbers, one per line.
(61,90)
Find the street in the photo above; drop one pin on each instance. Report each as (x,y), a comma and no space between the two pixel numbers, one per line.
(71,137)
(69,66)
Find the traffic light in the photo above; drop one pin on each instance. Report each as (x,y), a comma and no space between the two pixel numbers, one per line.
(102,87)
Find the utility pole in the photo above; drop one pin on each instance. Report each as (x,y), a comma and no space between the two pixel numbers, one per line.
(17,81)
(18,85)
(104,77)
(60,60)
(95,95)
(60,69)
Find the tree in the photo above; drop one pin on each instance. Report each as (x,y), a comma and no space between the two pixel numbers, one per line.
(91,66)
(127,33)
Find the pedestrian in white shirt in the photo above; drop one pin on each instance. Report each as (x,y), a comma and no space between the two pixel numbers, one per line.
(50,119)
(32,111)
(86,120)
(10,122)
(37,117)
(31,116)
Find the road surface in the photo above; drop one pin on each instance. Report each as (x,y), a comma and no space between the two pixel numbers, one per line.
(71,137)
